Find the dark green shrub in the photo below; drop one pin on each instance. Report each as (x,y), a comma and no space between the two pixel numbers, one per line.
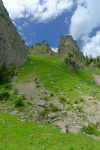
(45,98)
(62,99)
(7,86)
(73,61)
(44,112)
(54,108)
(71,148)
(79,109)
(4,73)
(90,129)
(19,102)
(4,94)
(98,61)
(88,60)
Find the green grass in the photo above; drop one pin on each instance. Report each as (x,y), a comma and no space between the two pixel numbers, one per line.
(56,77)
(16,135)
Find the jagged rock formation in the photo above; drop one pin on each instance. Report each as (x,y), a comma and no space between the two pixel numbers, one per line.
(68,44)
(12,48)
(69,49)
(42,48)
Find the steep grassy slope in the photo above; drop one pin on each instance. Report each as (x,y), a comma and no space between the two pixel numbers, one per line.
(16,135)
(56,77)
(68,87)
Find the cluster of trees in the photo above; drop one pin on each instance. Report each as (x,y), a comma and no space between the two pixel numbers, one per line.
(5,73)
(74,59)
(98,61)
(41,48)
(76,62)
(90,61)
(40,44)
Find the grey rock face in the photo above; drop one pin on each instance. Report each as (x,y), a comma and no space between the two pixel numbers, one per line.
(67,45)
(12,48)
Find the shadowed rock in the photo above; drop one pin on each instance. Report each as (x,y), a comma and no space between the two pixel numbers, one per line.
(12,48)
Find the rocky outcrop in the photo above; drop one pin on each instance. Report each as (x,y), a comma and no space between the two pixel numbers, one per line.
(12,48)
(67,45)
(42,48)
(69,50)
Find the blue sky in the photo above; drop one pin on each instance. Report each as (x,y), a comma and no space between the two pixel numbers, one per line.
(50,31)
(39,20)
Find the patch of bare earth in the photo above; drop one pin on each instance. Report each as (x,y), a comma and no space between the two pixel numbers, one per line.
(97,79)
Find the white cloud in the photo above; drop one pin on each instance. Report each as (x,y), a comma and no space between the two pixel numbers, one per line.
(83,21)
(55,49)
(85,18)
(92,46)
(40,10)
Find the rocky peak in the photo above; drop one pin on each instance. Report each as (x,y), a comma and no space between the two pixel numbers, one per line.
(67,44)
(12,48)
(69,49)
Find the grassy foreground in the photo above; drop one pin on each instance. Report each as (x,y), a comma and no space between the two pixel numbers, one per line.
(16,135)
(56,77)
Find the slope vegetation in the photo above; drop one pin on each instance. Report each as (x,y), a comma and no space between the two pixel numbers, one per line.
(16,135)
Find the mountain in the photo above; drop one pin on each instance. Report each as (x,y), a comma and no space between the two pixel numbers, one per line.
(12,48)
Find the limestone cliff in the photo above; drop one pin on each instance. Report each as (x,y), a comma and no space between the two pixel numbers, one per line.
(12,48)
(68,45)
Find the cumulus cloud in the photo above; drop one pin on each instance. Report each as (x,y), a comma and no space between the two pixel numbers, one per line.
(40,10)
(92,46)
(85,18)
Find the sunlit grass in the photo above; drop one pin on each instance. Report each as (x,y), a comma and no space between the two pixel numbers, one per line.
(16,135)
(56,76)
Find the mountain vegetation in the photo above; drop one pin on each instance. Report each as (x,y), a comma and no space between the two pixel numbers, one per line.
(48,100)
